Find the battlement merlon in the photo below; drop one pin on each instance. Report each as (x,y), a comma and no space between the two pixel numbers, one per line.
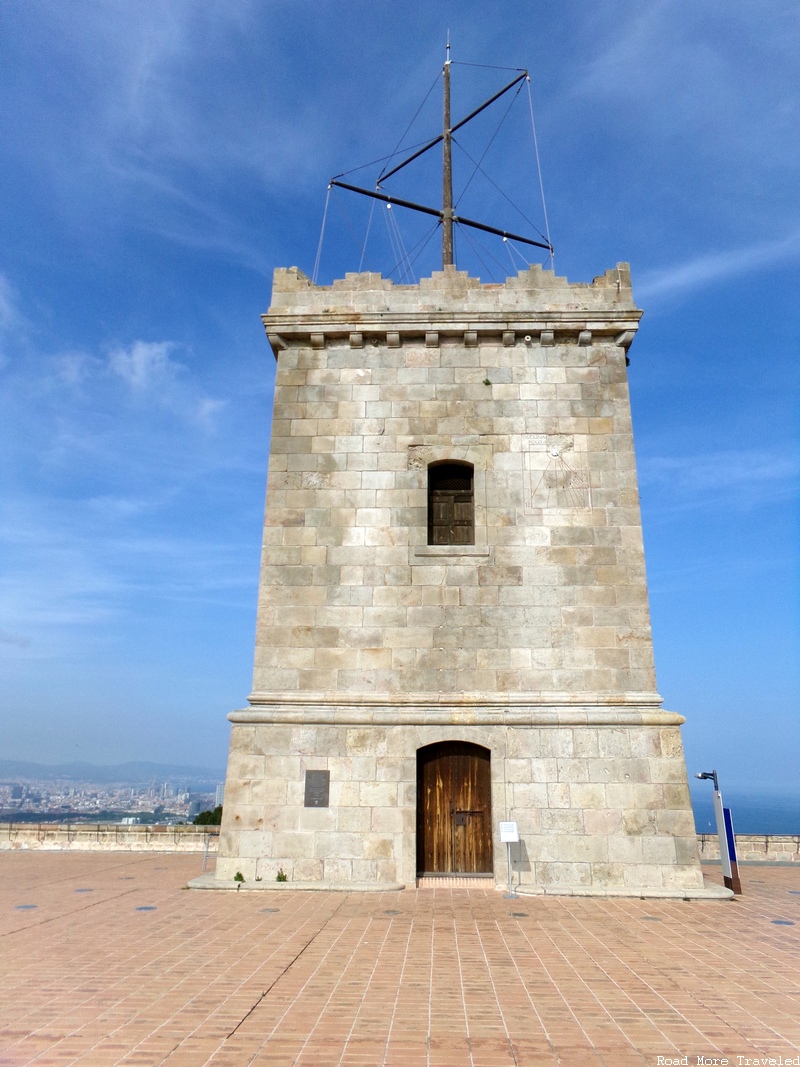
(534,305)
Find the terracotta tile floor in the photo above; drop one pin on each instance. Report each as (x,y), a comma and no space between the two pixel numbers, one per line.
(445,977)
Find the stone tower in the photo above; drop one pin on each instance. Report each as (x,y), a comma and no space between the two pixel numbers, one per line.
(453,626)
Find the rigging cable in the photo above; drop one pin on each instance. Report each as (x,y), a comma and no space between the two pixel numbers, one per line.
(416,116)
(419,247)
(321,235)
(366,236)
(400,243)
(541,183)
(380,159)
(397,247)
(477,166)
(359,245)
(390,233)
(398,251)
(463,233)
(505,242)
(485,66)
(513,248)
(505,196)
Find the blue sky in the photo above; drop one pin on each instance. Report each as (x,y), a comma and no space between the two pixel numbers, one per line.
(158,161)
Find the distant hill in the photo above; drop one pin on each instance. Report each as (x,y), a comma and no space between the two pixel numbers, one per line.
(134,773)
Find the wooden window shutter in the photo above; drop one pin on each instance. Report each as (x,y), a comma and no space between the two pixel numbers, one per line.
(451,504)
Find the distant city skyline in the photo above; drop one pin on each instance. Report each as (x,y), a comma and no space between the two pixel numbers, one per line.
(157,164)
(64,792)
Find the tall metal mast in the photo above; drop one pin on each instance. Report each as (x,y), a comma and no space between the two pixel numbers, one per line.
(447,189)
(447,215)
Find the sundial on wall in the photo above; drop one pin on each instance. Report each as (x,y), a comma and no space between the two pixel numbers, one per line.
(556,472)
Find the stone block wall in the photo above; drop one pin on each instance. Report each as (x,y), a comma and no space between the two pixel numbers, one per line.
(552,597)
(598,807)
(533,642)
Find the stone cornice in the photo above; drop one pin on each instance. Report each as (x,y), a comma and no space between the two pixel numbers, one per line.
(566,710)
(389,328)
(455,320)
(349,715)
(456,700)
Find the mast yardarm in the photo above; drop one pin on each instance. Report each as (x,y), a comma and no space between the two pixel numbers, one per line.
(446,214)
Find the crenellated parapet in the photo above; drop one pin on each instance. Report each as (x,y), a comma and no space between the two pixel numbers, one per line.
(535,307)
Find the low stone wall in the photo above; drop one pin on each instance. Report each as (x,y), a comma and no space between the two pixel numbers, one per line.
(107,837)
(754,848)
(112,837)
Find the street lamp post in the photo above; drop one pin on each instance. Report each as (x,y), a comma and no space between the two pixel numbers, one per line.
(727,841)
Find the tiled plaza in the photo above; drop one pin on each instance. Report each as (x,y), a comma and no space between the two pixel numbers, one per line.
(107,960)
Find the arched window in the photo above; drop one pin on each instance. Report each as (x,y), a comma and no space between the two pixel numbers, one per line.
(451,504)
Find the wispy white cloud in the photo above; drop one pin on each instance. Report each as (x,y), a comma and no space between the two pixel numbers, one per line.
(709,269)
(156,158)
(744,478)
(79,572)
(110,460)
(145,365)
(725,79)
(8,304)
(694,110)
(147,368)
(111,507)
(134,415)
(73,369)
(206,410)
(11,318)
(191,219)
(124,119)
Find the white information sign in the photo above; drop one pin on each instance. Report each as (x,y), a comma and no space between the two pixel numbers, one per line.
(509,832)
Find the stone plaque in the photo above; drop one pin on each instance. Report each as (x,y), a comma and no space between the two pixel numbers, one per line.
(318,787)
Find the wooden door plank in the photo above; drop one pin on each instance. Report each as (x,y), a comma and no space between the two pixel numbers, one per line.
(454,809)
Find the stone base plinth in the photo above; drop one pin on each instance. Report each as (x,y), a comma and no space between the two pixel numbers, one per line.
(211,881)
(599,794)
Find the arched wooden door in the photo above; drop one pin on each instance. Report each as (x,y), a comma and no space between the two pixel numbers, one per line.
(454,809)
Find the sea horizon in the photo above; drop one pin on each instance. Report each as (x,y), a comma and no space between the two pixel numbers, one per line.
(752,812)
